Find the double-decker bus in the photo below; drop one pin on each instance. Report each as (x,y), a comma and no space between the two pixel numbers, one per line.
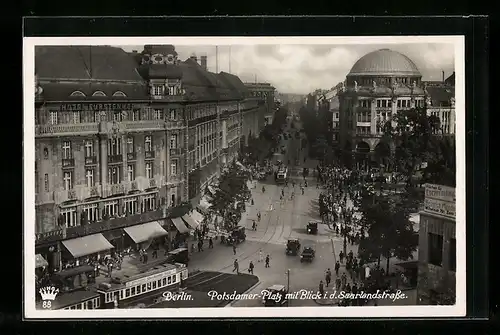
(124,291)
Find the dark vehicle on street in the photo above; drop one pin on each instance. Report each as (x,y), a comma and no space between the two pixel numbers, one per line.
(179,255)
(73,279)
(275,296)
(293,246)
(312,227)
(237,235)
(308,254)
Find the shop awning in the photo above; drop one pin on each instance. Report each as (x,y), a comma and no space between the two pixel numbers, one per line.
(87,245)
(180,225)
(204,204)
(190,221)
(40,261)
(146,231)
(197,216)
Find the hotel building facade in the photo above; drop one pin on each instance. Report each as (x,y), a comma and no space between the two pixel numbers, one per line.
(125,139)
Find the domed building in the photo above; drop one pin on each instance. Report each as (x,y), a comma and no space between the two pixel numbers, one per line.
(380,84)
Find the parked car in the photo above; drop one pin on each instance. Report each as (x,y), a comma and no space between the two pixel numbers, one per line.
(275,296)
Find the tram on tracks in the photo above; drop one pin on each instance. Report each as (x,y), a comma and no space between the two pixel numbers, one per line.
(124,291)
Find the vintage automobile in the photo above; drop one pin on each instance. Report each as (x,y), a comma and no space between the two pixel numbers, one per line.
(308,254)
(312,227)
(275,296)
(237,235)
(292,246)
(179,255)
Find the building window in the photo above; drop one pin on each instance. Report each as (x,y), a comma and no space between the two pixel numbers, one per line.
(173,114)
(136,115)
(157,90)
(173,167)
(98,94)
(435,249)
(149,170)
(69,216)
(89,177)
(53,117)
(89,148)
(67,154)
(115,146)
(76,117)
(131,205)
(46,182)
(91,212)
(111,208)
(158,114)
(130,145)
(130,172)
(68,180)
(173,141)
(114,175)
(149,202)
(171,90)
(118,116)
(453,255)
(148,143)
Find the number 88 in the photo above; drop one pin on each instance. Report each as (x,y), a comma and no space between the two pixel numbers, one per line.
(47,304)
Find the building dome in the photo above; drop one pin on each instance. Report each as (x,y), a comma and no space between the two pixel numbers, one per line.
(384,62)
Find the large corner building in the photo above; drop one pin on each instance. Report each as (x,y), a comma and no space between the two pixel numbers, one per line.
(380,84)
(123,139)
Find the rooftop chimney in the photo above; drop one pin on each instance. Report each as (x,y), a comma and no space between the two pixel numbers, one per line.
(203,62)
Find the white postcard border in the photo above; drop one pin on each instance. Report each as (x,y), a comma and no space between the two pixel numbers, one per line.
(30,312)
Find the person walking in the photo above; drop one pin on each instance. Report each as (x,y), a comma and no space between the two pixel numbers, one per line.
(341,257)
(236,266)
(267,261)
(337,268)
(250,267)
(328,277)
(210,243)
(321,288)
(261,258)
(234,248)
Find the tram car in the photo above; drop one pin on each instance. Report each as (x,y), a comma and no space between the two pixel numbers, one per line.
(123,292)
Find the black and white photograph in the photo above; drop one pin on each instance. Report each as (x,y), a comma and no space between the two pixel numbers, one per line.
(169,177)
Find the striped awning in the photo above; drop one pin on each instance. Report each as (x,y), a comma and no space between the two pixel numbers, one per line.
(87,245)
(190,221)
(146,231)
(40,261)
(180,225)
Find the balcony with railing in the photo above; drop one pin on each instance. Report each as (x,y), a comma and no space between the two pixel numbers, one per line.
(109,190)
(131,156)
(143,125)
(174,124)
(49,130)
(68,162)
(79,192)
(110,224)
(175,151)
(91,160)
(115,159)
(149,154)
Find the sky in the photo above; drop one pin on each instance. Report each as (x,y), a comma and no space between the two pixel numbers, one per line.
(300,69)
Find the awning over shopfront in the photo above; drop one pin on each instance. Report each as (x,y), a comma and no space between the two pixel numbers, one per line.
(87,245)
(190,221)
(40,261)
(146,231)
(204,204)
(197,216)
(180,225)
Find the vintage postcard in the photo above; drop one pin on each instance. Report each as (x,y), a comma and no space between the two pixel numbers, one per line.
(276,177)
